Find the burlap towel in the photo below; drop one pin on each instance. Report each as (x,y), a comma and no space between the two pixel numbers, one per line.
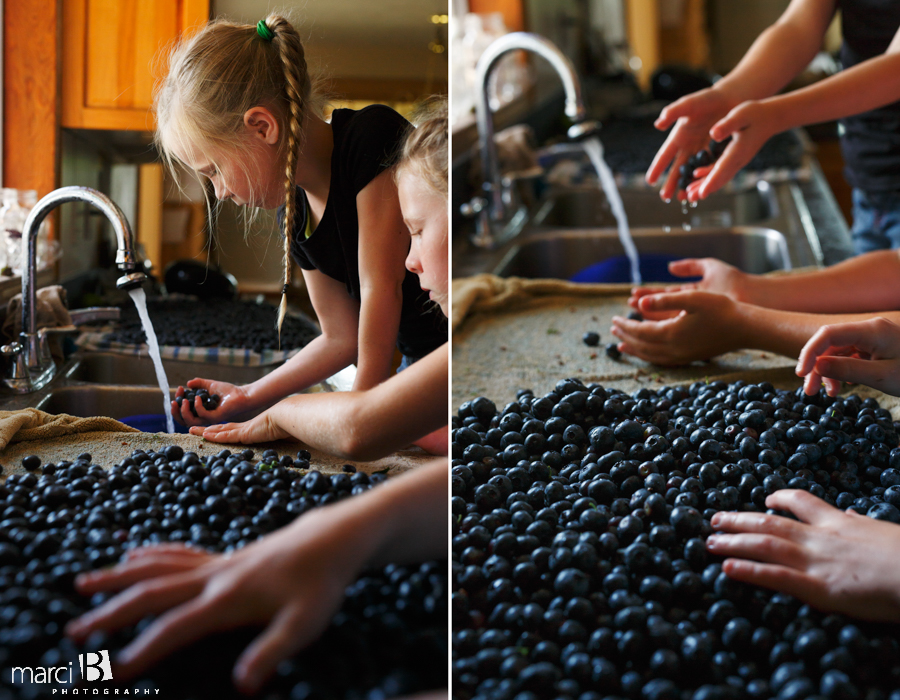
(51,311)
(491,293)
(32,424)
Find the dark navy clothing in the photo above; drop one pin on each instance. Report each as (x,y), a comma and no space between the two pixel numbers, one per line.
(366,142)
(871,140)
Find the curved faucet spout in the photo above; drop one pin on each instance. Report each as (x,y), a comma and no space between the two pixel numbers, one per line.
(492,54)
(125,257)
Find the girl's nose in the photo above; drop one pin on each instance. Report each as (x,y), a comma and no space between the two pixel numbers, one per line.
(412,263)
(221,191)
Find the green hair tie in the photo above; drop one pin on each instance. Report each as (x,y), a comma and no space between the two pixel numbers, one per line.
(263,30)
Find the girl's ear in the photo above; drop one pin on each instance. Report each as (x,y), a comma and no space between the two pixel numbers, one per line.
(261,123)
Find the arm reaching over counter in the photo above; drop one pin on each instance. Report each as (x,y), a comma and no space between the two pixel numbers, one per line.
(690,325)
(196,594)
(359,425)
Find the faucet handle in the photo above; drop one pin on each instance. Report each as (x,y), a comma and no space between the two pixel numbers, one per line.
(18,367)
(473,208)
(583,130)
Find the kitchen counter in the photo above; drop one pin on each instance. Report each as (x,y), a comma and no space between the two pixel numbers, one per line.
(531,339)
(124,400)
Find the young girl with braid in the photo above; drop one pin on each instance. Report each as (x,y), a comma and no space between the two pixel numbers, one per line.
(291,581)
(237,107)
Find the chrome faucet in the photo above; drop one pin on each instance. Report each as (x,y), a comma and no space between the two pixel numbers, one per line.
(32,366)
(494,224)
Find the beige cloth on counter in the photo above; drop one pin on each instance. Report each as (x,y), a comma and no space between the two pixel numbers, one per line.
(52,311)
(490,293)
(32,424)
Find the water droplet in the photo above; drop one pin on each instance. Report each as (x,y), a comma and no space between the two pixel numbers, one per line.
(695,203)
(686,226)
(667,200)
(667,229)
(684,207)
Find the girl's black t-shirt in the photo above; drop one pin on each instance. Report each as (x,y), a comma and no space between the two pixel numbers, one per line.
(366,142)
(871,140)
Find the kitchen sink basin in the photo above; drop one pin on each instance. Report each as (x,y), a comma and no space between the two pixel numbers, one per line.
(98,400)
(560,253)
(112,368)
(587,207)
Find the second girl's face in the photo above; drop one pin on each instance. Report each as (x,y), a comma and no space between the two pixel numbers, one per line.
(425,215)
(248,179)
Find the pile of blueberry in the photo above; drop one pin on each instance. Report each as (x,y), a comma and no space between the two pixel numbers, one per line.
(209,401)
(61,519)
(579,521)
(214,323)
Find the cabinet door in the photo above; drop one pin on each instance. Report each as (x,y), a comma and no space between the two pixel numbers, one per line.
(113,53)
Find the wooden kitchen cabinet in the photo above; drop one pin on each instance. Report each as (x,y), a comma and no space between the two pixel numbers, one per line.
(112,55)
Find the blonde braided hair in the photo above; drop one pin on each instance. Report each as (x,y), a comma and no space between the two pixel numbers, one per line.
(297,88)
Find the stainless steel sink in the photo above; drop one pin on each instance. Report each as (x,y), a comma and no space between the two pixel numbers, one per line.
(112,368)
(764,228)
(587,207)
(560,253)
(98,400)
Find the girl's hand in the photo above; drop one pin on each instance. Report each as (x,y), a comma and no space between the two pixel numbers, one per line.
(262,428)
(436,443)
(196,594)
(751,124)
(683,335)
(234,402)
(834,560)
(862,352)
(693,116)
(718,277)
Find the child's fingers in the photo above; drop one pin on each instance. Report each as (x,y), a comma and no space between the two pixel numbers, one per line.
(758,523)
(773,576)
(722,172)
(803,504)
(286,634)
(661,160)
(832,386)
(693,191)
(688,267)
(736,120)
(872,373)
(759,547)
(672,301)
(145,598)
(177,628)
(812,382)
(226,432)
(137,570)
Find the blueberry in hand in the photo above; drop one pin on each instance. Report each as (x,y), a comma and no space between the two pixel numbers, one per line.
(612,351)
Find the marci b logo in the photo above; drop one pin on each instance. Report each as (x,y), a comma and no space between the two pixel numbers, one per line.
(95,666)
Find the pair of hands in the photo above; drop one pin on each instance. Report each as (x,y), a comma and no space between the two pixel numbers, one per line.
(706,114)
(678,321)
(234,402)
(196,593)
(834,560)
